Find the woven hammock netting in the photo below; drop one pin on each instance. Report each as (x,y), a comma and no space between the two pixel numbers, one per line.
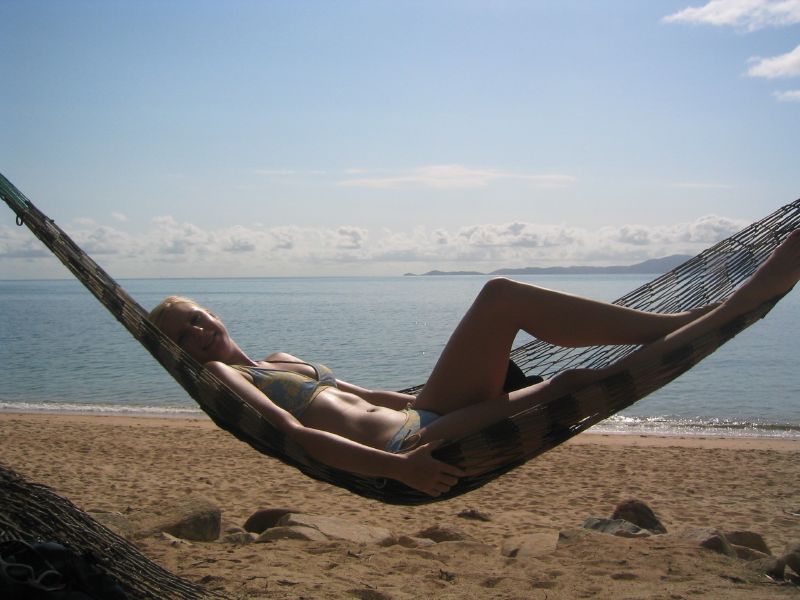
(33,512)
(709,277)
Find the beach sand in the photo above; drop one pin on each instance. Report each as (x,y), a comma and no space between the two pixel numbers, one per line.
(122,463)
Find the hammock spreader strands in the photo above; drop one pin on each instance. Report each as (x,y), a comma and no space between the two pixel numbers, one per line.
(709,277)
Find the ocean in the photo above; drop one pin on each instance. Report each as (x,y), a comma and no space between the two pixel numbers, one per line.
(62,352)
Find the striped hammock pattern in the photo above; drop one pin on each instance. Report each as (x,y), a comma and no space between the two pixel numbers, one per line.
(709,277)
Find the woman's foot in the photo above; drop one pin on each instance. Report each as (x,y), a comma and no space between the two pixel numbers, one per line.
(776,276)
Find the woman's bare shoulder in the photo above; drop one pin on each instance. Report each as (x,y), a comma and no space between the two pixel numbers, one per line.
(281,356)
(224,370)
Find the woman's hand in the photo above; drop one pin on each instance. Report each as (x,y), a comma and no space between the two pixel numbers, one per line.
(423,472)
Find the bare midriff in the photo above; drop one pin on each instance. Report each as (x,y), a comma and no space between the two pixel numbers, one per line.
(352,417)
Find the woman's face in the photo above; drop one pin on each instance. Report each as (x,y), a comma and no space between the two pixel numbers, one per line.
(197,331)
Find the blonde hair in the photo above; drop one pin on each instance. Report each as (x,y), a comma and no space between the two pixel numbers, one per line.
(157,314)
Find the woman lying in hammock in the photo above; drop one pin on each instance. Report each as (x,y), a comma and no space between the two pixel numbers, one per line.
(388,434)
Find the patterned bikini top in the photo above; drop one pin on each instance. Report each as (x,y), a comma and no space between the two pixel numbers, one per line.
(293,392)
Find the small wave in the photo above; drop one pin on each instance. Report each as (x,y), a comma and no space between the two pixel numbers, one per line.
(653,425)
(661,425)
(100,409)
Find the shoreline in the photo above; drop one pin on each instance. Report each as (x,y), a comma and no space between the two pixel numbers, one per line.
(701,438)
(598,438)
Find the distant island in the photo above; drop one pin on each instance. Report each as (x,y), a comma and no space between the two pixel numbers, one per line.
(654,266)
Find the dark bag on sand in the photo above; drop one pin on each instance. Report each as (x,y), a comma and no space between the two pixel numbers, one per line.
(52,571)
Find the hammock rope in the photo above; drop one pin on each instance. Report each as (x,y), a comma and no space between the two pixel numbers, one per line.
(709,277)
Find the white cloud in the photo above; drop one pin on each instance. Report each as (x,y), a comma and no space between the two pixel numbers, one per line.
(705,230)
(239,246)
(744,14)
(102,240)
(283,239)
(289,172)
(521,235)
(351,238)
(172,248)
(784,65)
(173,238)
(449,176)
(701,185)
(118,216)
(454,177)
(18,243)
(788,96)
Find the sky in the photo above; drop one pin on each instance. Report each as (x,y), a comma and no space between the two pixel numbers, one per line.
(342,138)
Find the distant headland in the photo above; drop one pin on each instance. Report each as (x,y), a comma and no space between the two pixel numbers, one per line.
(654,266)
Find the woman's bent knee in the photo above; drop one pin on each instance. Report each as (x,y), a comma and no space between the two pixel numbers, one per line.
(497,289)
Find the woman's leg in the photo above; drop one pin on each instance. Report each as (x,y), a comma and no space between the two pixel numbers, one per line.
(473,364)
(777,275)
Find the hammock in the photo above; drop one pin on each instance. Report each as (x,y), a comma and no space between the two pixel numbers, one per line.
(33,512)
(498,448)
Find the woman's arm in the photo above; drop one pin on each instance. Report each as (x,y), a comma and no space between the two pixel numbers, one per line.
(395,400)
(417,469)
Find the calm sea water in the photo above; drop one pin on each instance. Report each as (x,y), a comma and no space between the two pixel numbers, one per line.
(61,351)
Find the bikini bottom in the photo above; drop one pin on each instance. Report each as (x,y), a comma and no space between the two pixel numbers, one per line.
(407,436)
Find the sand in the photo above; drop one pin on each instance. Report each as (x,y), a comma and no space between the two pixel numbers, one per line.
(116,463)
